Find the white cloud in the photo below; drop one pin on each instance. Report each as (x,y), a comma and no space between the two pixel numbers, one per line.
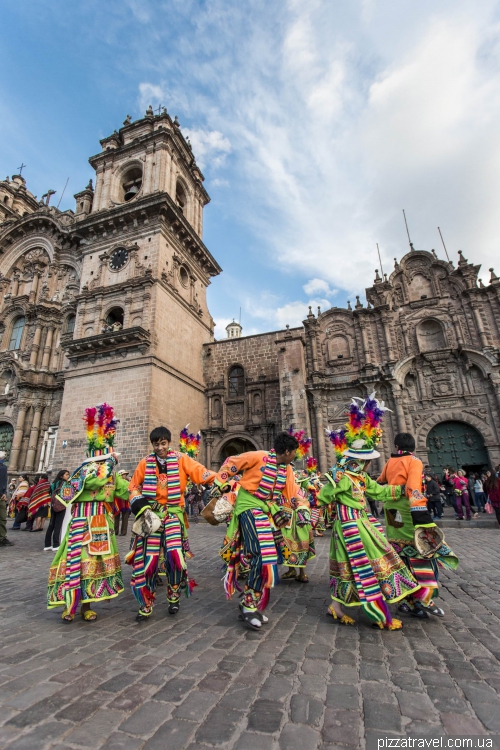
(208,146)
(335,120)
(315,286)
(291,313)
(149,93)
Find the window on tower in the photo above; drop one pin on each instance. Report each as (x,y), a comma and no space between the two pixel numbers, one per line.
(236,381)
(131,183)
(180,197)
(16,335)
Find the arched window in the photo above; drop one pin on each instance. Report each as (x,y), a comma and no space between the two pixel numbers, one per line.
(431,336)
(131,183)
(236,381)
(180,197)
(16,335)
(70,323)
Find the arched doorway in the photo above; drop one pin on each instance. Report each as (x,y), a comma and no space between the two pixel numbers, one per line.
(456,444)
(6,437)
(234,447)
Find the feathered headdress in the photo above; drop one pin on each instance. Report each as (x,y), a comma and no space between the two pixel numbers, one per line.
(304,443)
(189,443)
(100,426)
(362,432)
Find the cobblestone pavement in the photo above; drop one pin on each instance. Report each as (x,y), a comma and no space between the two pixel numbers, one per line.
(200,679)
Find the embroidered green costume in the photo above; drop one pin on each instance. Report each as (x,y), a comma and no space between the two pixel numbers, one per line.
(87,565)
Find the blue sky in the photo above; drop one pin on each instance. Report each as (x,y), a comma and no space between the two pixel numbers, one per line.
(315,124)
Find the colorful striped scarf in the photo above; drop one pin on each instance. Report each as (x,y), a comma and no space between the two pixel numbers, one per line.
(40,497)
(72,590)
(273,480)
(150,483)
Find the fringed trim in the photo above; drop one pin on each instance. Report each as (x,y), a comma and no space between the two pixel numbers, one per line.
(190,586)
(176,559)
(264,599)
(378,611)
(270,576)
(72,600)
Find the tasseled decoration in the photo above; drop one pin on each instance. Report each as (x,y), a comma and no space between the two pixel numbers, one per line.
(176,559)
(190,586)
(264,600)
(338,440)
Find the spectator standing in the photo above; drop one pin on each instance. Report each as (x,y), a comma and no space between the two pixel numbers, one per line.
(39,504)
(19,503)
(492,489)
(479,493)
(4,542)
(121,508)
(57,511)
(449,489)
(461,493)
(433,496)
(471,480)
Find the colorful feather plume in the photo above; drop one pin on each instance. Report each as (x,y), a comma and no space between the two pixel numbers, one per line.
(189,443)
(312,465)
(100,427)
(338,440)
(303,441)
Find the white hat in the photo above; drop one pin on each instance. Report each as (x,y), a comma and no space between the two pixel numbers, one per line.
(2,455)
(356,451)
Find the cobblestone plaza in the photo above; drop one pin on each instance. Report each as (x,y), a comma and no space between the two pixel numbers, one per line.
(200,680)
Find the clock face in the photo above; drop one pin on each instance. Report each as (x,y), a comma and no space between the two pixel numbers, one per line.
(118,258)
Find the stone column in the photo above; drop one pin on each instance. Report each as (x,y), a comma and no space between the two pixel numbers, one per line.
(48,348)
(387,335)
(400,414)
(18,436)
(479,323)
(34,434)
(15,286)
(456,324)
(314,351)
(35,346)
(34,287)
(320,434)
(364,339)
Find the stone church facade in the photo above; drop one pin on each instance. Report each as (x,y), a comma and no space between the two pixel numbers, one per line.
(108,303)
(427,342)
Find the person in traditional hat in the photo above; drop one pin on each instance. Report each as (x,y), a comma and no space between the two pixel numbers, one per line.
(267,486)
(364,569)
(87,567)
(412,531)
(298,539)
(160,542)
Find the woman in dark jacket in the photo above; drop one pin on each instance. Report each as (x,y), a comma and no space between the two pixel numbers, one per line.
(57,511)
(433,496)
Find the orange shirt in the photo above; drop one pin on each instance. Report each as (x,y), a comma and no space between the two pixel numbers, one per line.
(403,470)
(188,469)
(249,465)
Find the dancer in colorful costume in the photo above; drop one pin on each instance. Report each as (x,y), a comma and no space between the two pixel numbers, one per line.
(87,566)
(160,545)
(298,540)
(310,484)
(364,569)
(254,530)
(411,530)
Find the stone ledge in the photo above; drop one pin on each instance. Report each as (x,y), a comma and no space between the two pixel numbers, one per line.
(108,344)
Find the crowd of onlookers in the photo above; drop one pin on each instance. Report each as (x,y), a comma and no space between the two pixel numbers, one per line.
(31,502)
(479,492)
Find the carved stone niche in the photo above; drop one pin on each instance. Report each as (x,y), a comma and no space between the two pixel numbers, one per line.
(235,413)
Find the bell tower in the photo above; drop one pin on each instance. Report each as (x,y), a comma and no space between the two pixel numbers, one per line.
(142,315)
